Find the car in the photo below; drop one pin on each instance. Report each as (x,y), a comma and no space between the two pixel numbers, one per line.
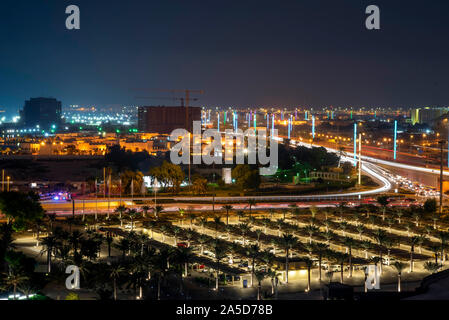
(128,226)
(182,244)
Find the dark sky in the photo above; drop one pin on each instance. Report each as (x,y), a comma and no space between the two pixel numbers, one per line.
(241,53)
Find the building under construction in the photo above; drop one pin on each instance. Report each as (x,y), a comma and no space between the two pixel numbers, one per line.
(164,119)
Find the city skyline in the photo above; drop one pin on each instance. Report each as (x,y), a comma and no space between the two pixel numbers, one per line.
(239,54)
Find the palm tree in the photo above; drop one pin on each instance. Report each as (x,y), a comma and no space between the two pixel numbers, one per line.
(139,271)
(435,219)
(380,236)
(253,252)
(220,252)
(349,243)
(431,267)
(176,231)
(203,223)
(311,230)
(217,221)
(444,237)
(157,210)
(14,279)
(383,201)
(115,271)
(360,229)
(145,210)
(74,240)
(159,264)
(192,218)
(184,256)
(202,240)
(280,223)
(327,223)
(49,243)
(287,242)
(320,249)
(413,242)
(258,233)
(244,228)
(340,258)
(260,275)
(343,226)
(417,216)
(309,264)
(227,208)
(240,214)
(366,245)
(265,222)
(132,213)
(399,266)
(399,214)
(251,203)
(120,210)
(109,241)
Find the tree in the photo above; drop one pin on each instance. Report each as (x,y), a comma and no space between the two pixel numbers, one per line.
(383,201)
(340,258)
(199,184)
(251,203)
(321,249)
(287,242)
(132,214)
(74,240)
(381,236)
(120,210)
(157,211)
(399,266)
(227,208)
(145,210)
(431,266)
(49,243)
(245,177)
(115,272)
(309,264)
(253,252)
(430,206)
(169,175)
(349,243)
(21,208)
(220,252)
(413,242)
(14,279)
(260,275)
(274,277)
(131,181)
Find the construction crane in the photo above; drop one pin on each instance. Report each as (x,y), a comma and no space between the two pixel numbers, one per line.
(187,99)
(168,98)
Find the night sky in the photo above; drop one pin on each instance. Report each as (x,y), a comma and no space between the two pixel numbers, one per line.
(241,53)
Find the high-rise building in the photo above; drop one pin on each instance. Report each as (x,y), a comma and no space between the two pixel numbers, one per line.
(42,112)
(166,119)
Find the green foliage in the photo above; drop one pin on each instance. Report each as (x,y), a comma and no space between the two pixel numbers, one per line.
(134,177)
(169,175)
(245,177)
(430,206)
(21,208)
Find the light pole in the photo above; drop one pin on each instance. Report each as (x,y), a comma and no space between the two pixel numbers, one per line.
(441,142)
(7,185)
